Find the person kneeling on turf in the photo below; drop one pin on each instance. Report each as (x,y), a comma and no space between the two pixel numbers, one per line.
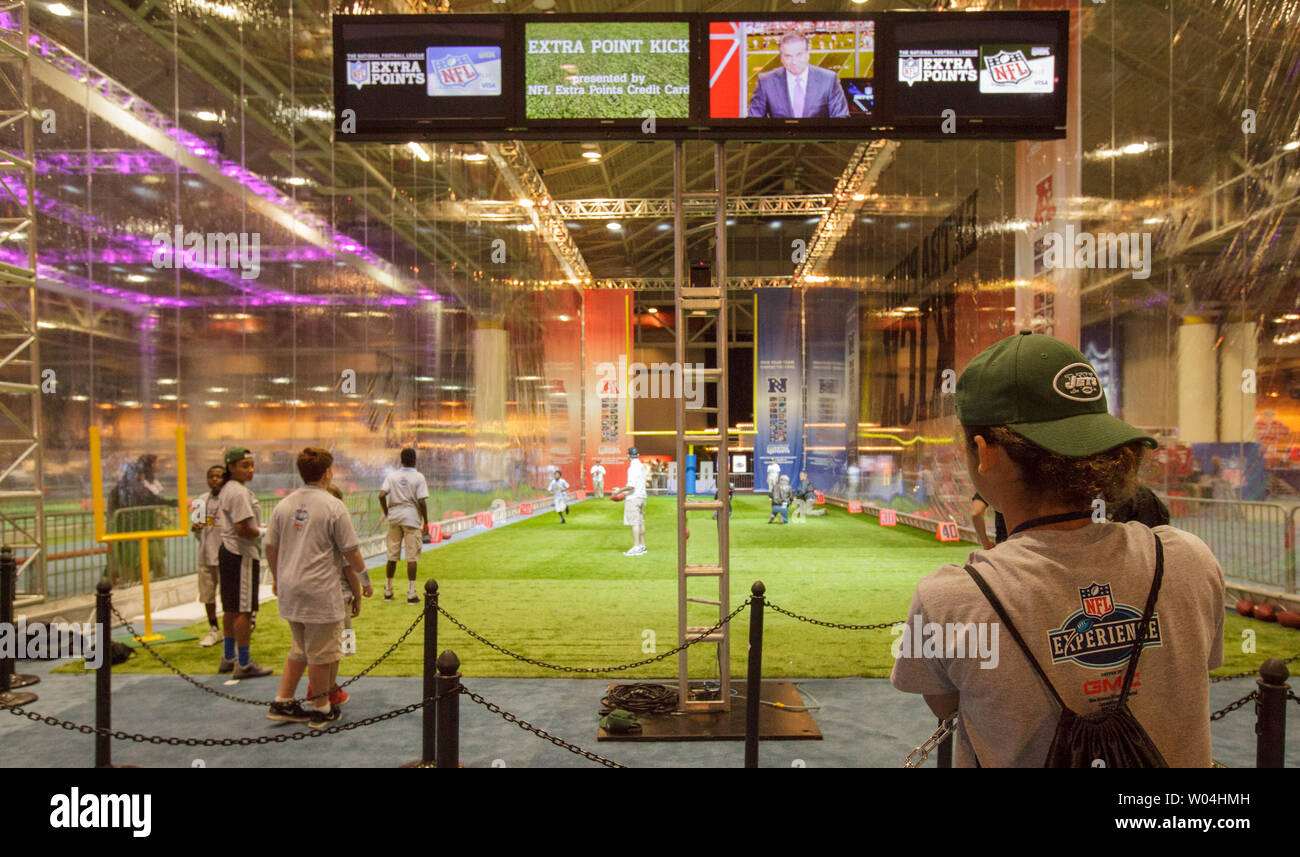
(309,530)
(782,494)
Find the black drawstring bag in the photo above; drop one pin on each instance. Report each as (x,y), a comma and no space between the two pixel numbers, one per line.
(1111,736)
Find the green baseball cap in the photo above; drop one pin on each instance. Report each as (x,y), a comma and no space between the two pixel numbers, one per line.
(235,453)
(1046,391)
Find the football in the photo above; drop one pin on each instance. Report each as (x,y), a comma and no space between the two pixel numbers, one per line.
(1245,608)
(1266,612)
(1289,619)
(618,496)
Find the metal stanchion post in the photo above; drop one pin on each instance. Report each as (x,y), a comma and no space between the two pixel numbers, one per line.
(429,715)
(754,680)
(8,681)
(448,710)
(1270,714)
(103,675)
(944,759)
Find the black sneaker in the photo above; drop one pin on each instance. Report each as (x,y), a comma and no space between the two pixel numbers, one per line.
(388,594)
(288,712)
(412,598)
(321,719)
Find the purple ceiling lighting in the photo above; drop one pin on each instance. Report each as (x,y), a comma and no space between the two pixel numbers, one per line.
(46,272)
(125,162)
(115,93)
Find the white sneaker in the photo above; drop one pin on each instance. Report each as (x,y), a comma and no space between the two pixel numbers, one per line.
(632,552)
(213,637)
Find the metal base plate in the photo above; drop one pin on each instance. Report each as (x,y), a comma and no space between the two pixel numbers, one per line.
(18,680)
(773,723)
(9,700)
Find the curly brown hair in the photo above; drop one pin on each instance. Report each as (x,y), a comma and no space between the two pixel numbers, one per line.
(1073,482)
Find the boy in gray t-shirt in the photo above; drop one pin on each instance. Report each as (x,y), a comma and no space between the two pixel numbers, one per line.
(309,530)
(1041,447)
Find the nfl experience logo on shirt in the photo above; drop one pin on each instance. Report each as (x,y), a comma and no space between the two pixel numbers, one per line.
(300,518)
(1101,634)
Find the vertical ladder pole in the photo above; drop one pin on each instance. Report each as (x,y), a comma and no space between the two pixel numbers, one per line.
(679,406)
(721,330)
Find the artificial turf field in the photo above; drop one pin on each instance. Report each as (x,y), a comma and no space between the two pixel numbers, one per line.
(563,593)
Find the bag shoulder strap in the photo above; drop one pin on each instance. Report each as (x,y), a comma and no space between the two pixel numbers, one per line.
(1015,635)
(1145,625)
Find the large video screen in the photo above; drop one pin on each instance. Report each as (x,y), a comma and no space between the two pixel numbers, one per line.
(986,67)
(403,75)
(607,70)
(782,70)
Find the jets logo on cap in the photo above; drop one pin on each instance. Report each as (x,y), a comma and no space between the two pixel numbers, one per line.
(1078,382)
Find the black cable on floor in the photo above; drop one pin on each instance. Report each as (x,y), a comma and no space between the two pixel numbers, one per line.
(640,698)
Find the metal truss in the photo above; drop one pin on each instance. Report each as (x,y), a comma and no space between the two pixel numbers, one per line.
(519,173)
(22,510)
(865,165)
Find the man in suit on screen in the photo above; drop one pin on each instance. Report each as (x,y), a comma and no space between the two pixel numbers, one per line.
(798,90)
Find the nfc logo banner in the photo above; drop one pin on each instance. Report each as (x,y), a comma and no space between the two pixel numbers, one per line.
(776,385)
(947,532)
(888,518)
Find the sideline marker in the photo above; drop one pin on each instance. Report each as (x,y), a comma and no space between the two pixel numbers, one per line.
(525,508)
(435,533)
(821,498)
(855,507)
(888,518)
(947,532)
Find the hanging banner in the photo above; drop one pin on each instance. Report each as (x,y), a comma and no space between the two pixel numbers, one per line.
(560,388)
(1047,183)
(607,332)
(831,352)
(778,379)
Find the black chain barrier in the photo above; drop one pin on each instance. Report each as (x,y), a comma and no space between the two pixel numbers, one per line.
(540,733)
(1224,712)
(840,625)
(1249,673)
(220,742)
(595,670)
(1291,696)
(259,702)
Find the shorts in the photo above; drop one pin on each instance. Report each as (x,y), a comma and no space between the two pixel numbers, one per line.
(316,643)
(634,511)
(347,608)
(240,576)
(209,579)
(400,534)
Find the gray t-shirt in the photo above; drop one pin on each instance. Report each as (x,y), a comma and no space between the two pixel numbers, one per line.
(1075,597)
(210,535)
(237,503)
(405,487)
(309,529)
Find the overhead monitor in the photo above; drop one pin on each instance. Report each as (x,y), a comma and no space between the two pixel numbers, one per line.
(404,74)
(593,70)
(792,72)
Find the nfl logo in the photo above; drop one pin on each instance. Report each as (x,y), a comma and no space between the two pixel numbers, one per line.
(358,73)
(909,70)
(456,70)
(608,389)
(1096,600)
(1007,67)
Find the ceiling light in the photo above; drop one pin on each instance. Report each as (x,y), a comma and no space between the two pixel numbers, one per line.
(591,156)
(166,380)
(652,310)
(60,10)
(169,398)
(419,151)
(775,224)
(207,116)
(614,226)
(280,380)
(138,278)
(526,202)
(297,180)
(816,278)
(81,398)
(217,390)
(1290,316)
(908,309)
(562,318)
(474,157)
(1292,146)
(212,403)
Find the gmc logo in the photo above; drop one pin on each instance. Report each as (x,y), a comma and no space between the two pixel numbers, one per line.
(1108,685)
